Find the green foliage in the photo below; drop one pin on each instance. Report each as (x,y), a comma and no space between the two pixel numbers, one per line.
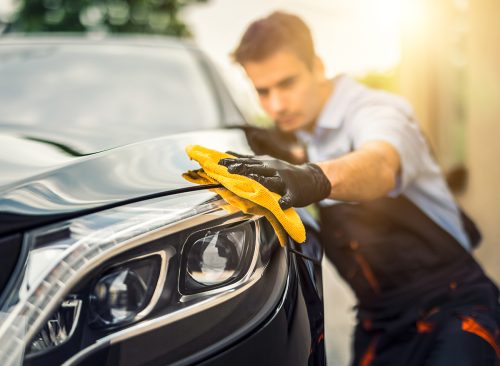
(115,16)
(387,81)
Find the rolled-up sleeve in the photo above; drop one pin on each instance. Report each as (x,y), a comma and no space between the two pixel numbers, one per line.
(390,124)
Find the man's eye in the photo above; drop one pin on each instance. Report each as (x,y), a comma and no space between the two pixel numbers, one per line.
(262,92)
(287,83)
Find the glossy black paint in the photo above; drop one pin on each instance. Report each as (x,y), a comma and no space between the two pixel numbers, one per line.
(107,178)
(10,249)
(284,339)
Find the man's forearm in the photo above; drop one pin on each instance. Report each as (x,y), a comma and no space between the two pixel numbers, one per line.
(363,175)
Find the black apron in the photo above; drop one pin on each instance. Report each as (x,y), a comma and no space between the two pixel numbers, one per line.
(412,279)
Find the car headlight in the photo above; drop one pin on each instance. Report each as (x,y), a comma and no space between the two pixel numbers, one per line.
(215,257)
(155,258)
(124,293)
(58,328)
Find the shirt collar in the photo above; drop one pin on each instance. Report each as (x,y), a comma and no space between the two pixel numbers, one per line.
(333,112)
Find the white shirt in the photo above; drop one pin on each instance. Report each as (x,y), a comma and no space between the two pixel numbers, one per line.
(354,115)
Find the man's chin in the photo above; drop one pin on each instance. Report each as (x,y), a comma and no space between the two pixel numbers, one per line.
(288,126)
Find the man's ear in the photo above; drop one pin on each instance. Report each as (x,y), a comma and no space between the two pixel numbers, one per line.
(318,68)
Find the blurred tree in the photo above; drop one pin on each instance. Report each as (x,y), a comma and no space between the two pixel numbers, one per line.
(388,80)
(129,16)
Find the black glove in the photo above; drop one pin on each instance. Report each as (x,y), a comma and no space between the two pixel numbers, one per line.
(299,185)
(273,142)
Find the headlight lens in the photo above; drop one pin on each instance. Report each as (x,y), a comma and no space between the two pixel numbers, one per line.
(214,259)
(123,292)
(216,256)
(59,328)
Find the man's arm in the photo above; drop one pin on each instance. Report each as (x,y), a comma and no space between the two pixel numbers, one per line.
(365,174)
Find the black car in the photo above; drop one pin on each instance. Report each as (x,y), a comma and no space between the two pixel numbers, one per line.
(108,256)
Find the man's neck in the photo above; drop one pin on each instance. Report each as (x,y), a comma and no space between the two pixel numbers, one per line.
(327,88)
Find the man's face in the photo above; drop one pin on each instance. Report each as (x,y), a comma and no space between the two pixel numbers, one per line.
(288,90)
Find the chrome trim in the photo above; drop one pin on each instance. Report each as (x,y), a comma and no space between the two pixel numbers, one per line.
(161,281)
(250,270)
(165,256)
(152,324)
(287,284)
(77,304)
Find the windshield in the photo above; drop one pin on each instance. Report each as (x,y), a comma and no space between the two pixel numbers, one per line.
(125,92)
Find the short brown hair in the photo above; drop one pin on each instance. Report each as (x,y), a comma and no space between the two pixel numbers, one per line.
(277,31)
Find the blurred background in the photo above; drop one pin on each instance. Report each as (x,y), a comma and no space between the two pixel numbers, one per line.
(444,56)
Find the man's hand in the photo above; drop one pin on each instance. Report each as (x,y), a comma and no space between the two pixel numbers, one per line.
(273,142)
(299,185)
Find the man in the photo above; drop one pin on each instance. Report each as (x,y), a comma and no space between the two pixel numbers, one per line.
(389,222)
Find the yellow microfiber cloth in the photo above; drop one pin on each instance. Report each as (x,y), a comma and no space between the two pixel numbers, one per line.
(236,203)
(245,193)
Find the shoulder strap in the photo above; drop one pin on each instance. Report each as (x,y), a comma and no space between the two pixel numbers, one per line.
(471,229)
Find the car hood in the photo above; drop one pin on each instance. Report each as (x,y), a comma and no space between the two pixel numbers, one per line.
(41,181)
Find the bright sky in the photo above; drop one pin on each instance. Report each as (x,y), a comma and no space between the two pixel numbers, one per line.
(351,36)
(6,6)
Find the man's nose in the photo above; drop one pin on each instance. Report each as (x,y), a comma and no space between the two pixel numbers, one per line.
(276,101)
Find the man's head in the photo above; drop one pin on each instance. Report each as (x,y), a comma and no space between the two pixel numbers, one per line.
(277,53)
